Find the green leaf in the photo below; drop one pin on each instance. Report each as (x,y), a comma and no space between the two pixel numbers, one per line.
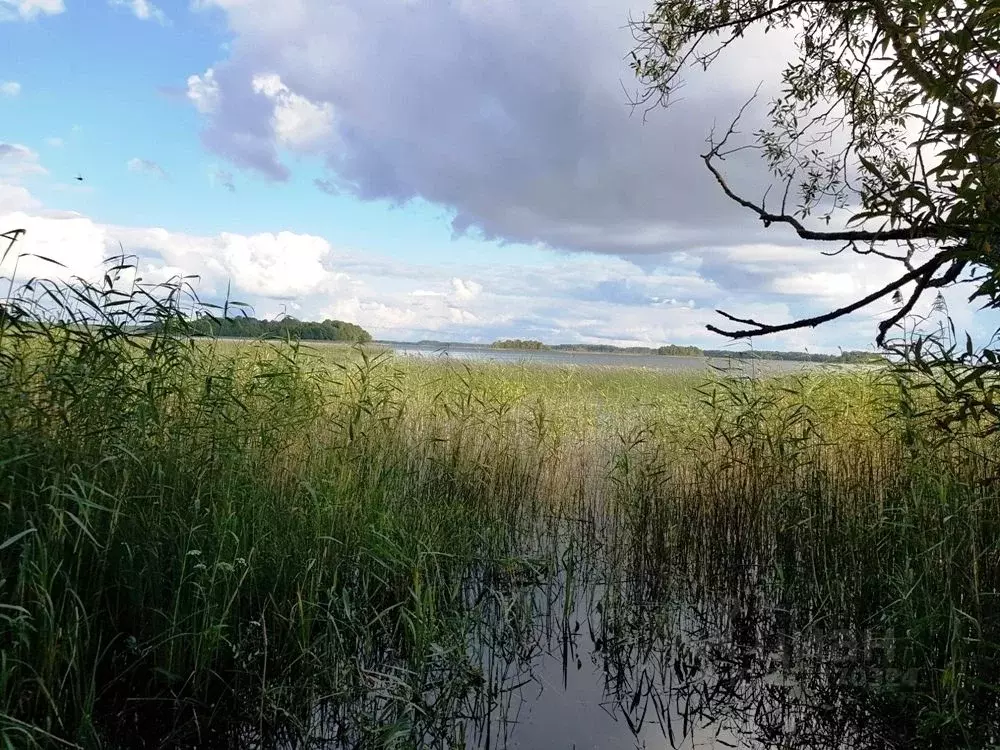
(16,538)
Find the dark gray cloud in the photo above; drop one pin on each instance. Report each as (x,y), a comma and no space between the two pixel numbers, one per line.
(240,129)
(514,114)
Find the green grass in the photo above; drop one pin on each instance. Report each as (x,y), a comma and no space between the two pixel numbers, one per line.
(206,538)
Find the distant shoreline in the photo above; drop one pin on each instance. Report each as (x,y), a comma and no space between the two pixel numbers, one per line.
(706,354)
(846,357)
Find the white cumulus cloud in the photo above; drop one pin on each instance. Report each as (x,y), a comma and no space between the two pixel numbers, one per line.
(372,314)
(465,290)
(510,113)
(26,10)
(281,265)
(10,88)
(142,9)
(76,244)
(15,198)
(298,123)
(203,91)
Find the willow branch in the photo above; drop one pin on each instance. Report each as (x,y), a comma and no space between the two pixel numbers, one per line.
(857,235)
(922,274)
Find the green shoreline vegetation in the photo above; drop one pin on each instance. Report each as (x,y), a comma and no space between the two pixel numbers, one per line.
(249,327)
(212,540)
(673,350)
(259,543)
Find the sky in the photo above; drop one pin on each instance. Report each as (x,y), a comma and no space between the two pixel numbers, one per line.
(459,170)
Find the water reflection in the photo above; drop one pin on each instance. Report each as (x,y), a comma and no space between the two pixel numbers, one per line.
(598,659)
(611,671)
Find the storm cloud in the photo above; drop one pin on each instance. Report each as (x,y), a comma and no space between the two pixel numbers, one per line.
(513,114)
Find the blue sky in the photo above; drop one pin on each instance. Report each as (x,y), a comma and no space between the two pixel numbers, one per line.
(110,87)
(444,169)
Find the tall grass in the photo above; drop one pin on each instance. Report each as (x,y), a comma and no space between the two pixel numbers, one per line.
(191,534)
(209,543)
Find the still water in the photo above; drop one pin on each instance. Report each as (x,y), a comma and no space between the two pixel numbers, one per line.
(592,359)
(634,662)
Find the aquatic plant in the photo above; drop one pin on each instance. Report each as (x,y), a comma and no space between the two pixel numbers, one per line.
(212,543)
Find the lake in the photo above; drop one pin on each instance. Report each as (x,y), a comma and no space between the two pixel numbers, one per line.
(559,358)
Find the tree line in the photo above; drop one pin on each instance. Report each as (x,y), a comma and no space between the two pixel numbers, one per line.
(674,350)
(247,327)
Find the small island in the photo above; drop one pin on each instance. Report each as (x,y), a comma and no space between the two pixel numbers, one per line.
(521,344)
(247,327)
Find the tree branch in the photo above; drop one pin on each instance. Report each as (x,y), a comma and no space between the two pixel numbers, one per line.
(924,282)
(856,235)
(922,273)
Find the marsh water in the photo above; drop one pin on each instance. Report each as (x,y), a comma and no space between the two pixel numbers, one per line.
(579,660)
(608,646)
(608,673)
(757,624)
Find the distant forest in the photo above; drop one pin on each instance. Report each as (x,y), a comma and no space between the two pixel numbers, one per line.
(672,350)
(306,330)
(520,344)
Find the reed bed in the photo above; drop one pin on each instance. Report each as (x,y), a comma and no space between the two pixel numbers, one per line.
(204,541)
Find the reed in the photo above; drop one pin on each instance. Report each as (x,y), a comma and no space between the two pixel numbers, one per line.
(203,541)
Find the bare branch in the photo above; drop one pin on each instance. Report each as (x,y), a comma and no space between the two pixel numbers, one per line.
(856,235)
(923,274)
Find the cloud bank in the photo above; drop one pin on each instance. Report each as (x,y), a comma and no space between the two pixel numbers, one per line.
(589,298)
